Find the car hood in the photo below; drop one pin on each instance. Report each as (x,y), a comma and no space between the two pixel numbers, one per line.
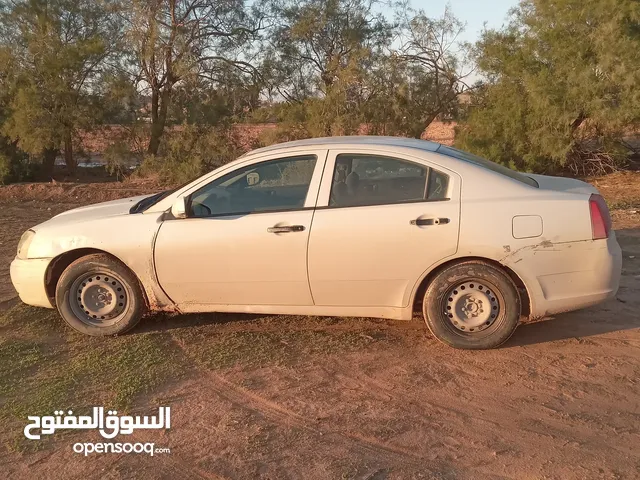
(93,212)
(562,184)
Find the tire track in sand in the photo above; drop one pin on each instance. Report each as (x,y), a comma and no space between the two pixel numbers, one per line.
(372,449)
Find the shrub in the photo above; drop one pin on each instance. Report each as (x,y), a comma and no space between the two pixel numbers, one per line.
(5,169)
(119,159)
(291,125)
(15,165)
(190,151)
(561,87)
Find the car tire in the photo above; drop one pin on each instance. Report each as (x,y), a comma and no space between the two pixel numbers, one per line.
(98,295)
(472,305)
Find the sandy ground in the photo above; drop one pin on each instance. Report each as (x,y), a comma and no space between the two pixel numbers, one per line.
(560,401)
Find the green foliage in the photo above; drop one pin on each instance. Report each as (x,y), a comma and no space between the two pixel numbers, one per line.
(559,89)
(176,45)
(318,41)
(54,56)
(119,157)
(426,77)
(190,151)
(562,87)
(125,153)
(197,102)
(344,70)
(334,67)
(5,169)
(14,164)
(319,60)
(120,99)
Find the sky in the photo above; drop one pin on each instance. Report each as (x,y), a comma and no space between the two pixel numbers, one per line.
(474,13)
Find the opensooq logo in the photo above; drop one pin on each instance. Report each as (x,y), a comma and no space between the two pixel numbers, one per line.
(109,426)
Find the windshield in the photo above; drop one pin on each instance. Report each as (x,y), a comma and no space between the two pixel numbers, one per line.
(148,202)
(470,157)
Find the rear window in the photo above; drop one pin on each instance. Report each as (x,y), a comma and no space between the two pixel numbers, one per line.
(470,157)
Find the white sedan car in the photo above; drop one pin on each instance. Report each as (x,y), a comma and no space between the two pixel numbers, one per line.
(343,226)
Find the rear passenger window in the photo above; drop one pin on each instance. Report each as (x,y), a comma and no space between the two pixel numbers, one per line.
(376,180)
(438,185)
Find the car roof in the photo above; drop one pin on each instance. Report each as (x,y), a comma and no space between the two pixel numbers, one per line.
(352,141)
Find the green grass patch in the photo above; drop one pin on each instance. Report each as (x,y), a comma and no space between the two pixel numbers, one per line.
(220,350)
(46,366)
(15,357)
(24,321)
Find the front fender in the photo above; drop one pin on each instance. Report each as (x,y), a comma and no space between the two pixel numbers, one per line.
(129,238)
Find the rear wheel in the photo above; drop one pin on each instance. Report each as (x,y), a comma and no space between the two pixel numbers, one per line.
(98,295)
(472,305)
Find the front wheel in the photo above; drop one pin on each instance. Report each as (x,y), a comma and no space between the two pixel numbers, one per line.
(98,295)
(472,305)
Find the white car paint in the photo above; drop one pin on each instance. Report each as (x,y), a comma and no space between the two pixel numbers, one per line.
(351,261)
(366,256)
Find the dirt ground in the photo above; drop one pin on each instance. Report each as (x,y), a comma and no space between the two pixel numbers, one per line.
(303,397)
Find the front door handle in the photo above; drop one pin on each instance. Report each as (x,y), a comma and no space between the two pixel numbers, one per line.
(421,222)
(286,229)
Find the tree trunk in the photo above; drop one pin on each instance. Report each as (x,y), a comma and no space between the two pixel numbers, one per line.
(426,122)
(159,106)
(154,141)
(48,162)
(68,154)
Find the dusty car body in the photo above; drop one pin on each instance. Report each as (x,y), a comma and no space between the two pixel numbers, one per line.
(344,226)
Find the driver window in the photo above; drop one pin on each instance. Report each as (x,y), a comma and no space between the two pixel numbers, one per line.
(376,180)
(272,185)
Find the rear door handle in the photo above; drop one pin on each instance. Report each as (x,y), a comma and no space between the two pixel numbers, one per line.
(421,222)
(286,229)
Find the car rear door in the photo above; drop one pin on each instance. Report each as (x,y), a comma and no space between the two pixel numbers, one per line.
(245,239)
(381,221)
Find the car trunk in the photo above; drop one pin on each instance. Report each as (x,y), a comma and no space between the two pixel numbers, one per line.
(562,184)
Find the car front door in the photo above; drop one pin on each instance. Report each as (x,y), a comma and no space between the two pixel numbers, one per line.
(244,241)
(381,221)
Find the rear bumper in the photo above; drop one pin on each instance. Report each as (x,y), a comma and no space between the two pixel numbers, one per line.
(574,275)
(28,278)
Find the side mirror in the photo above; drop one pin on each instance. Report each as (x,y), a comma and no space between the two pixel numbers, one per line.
(179,208)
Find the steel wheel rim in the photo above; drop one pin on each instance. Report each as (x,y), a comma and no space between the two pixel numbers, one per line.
(99,298)
(472,306)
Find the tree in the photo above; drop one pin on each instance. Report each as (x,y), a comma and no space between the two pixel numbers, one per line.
(318,62)
(434,66)
(561,86)
(175,40)
(198,101)
(315,40)
(57,50)
(10,155)
(420,79)
(345,69)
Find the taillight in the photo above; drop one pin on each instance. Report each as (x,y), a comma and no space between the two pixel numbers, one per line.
(600,218)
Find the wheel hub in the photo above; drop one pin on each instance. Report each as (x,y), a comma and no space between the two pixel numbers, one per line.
(471,306)
(98,298)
